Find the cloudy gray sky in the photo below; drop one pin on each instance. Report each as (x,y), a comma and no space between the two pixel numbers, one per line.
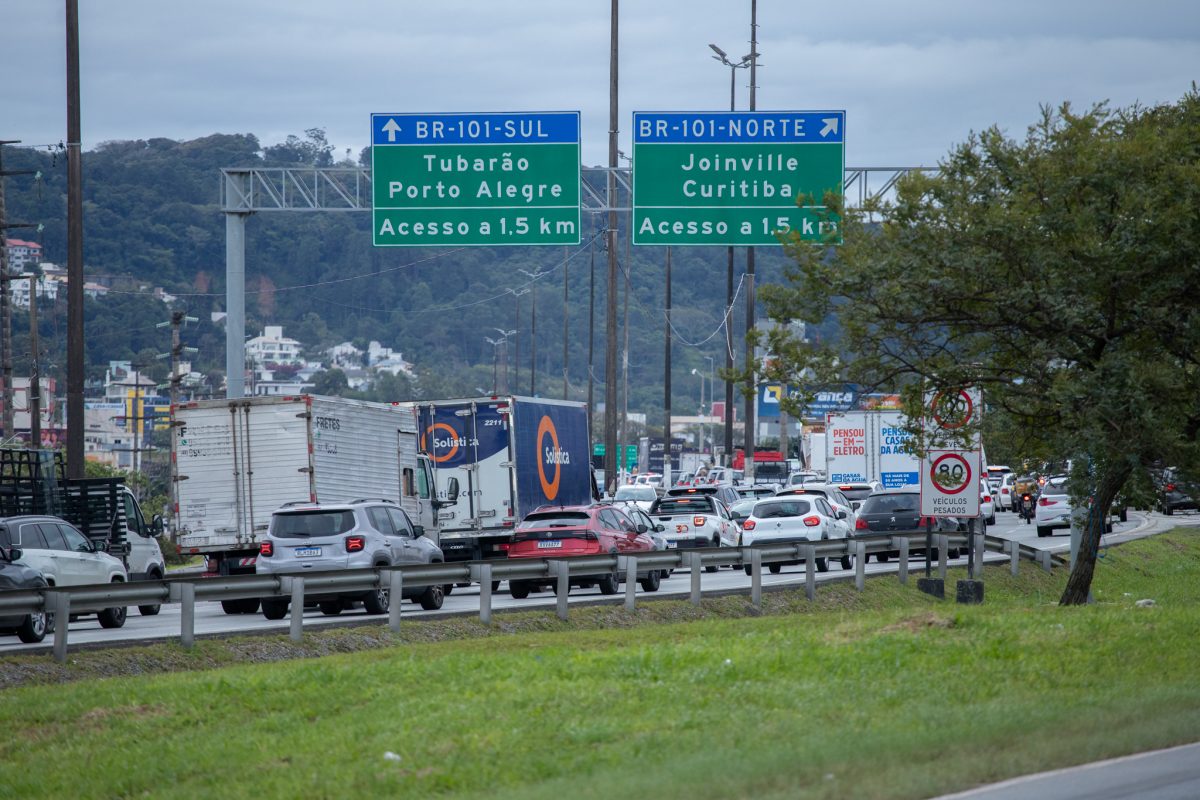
(914,77)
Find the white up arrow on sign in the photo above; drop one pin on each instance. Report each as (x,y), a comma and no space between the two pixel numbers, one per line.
(831,125)
(391,128)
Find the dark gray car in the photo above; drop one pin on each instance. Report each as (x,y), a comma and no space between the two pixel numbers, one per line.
(309,537)
(30,628)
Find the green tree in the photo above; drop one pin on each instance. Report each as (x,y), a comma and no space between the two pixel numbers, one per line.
(330,382)
(1059,273)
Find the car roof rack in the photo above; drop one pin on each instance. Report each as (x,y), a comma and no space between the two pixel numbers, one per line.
(358,500)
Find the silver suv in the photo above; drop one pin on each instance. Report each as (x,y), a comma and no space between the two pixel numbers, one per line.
(334,536)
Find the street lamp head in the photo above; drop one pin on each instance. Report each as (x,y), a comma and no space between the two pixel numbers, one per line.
(695,372)
(720,53)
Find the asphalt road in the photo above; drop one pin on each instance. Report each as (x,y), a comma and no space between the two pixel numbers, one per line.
(211,620)
(1172,774)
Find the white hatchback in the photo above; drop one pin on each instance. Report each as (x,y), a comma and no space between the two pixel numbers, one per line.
(787,519)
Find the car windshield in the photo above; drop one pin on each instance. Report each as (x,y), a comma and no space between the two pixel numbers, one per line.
(856,493)
(300,524)
(636,493)
(1056,486)
(554,519)
(684,505)
(775,509)
(891,504)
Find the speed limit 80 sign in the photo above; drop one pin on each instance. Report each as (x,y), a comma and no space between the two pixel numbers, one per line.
(950,483)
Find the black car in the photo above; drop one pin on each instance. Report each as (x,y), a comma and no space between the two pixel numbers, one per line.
(30,628)
(1177,493)
(898,512)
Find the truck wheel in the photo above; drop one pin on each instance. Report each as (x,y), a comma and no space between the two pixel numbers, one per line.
(651,582)
(274,609)
(431,599)
(447,589)
(152,610)
(331,608)
(775,568)
(518,589)
(112,617)
(33,629)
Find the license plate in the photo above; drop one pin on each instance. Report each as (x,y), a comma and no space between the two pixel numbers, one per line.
(549,544)
(672,545)
(308,552)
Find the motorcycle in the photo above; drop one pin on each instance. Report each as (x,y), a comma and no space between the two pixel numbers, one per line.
(1026,508)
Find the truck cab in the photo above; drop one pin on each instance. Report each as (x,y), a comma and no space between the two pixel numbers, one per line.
(145,559)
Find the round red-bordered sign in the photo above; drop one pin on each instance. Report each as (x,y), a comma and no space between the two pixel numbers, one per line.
(961,412)
(945,465)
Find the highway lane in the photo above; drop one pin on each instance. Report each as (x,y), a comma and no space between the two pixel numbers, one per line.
(211,620)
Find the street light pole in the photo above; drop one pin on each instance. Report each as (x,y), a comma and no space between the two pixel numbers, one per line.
(733,68)
(517,351)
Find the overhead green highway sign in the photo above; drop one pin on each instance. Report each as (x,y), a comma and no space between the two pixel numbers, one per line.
(732,178)
(475,179)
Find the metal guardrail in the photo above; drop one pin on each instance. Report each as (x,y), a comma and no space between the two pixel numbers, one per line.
(66,600)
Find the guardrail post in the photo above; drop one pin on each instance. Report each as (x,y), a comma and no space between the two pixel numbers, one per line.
(860,564)
(943,544)
(810,571)
(62,619)
(485,594)
(561,571)
(755,577)
(395,598)
(297,609)
(1044,558)
(187,615)
(1014,554)
(697,568)
(980,545)
(902,542)
(630,581)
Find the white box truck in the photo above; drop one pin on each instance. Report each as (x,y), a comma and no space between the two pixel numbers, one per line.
(509,456)
(239,460)
(869,446)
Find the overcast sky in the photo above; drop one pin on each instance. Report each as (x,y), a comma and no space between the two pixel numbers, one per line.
(914,77)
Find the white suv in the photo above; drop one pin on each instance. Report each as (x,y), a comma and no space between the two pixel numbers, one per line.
(65,557)
(311,537)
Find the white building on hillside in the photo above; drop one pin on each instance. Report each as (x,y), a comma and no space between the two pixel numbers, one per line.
(272,347)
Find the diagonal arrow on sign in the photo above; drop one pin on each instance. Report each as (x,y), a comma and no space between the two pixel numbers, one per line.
(391,128)
(831,126)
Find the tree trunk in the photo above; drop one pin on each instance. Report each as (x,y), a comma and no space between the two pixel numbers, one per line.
(1079,584)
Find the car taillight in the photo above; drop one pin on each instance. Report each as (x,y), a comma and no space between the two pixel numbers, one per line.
(698,521)
(926,521)
(812,522)
(503,547)
(1170,487)
(861,525)
(1046,501)
(1003,491)
(266,549)
(1027,497)
(355,543)
(748,525)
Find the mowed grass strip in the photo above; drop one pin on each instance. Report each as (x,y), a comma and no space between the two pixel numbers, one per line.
(886,693)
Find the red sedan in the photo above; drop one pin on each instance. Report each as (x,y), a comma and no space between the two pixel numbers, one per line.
(551,532)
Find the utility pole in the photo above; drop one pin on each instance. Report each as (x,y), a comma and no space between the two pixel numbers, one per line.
(751,371)
(177,321)
(610,354)
(74,252)
(533,346)
(517,339)
(625,345)
(5,303)
(566,325)
(591,333)
(667,383)
(35,370)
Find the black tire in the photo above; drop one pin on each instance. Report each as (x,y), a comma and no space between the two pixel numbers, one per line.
(1124,515)
(882,558)
(822,565)
(847,562)
(495,588)
(113,617)
(710,569)
(775,568)
(1167,509)
(379,600)
(33,628)
(749,571)
(274,609)
(1043,532)
(992,519)
(431,599)
(954,552)
(149,611)
(610,584)
(518,589)
(231,606)
(331,608)
(448,589)
(651,582)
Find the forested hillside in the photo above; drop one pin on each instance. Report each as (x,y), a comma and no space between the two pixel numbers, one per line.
(151,219)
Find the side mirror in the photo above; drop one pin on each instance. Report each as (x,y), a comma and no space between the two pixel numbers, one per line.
(843,515)
(15,553)
(418,531)
(659,528)
(641,528)
(157,526)
(451,495)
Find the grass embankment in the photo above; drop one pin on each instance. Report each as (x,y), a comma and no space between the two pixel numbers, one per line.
(886,693)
